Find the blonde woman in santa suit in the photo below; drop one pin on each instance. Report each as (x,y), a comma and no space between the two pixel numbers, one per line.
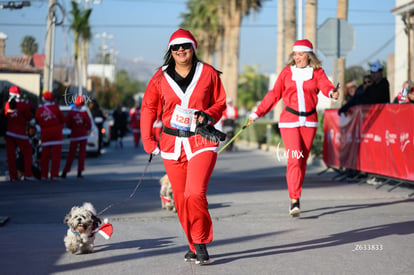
(191,97)
(298,86)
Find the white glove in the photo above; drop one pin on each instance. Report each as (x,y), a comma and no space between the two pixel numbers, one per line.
(156,151)
(253,117)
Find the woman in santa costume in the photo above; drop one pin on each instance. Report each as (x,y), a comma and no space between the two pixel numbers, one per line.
(79,122)
(50,119)
(298,86)
(18,114)
(191,97)
(134,123)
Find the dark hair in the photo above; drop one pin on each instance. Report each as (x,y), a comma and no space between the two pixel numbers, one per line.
(12,103)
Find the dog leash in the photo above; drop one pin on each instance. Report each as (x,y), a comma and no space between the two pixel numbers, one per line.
(149,162)
(246,124)
(135,189)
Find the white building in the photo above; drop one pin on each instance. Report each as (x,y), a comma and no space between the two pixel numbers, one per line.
(102,70)
(404,44)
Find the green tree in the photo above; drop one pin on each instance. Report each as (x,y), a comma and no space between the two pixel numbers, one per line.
(127,87)
(217,22)
(252,87)
(82,33)
(232,14)
(29,45)
(203,21)
(354,73)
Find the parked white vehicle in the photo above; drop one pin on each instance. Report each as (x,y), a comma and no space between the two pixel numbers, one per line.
(93,147)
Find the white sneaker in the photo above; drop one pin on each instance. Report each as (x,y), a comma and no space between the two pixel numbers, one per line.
(294,209)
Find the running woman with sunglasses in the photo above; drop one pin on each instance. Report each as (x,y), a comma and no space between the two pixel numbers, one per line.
(192,98)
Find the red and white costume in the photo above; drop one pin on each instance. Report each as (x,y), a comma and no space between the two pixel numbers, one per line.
(230,113)
(189,161)
(79,122)
(16,135)
(298,88)
(134,123)
(157,128)
(50,119)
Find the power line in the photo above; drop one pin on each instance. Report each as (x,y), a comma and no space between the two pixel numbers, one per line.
(169,25)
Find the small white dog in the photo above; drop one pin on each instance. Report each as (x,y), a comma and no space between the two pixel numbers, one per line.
(166,194)
(83,224)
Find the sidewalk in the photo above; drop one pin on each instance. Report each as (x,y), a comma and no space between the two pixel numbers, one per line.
(343,229)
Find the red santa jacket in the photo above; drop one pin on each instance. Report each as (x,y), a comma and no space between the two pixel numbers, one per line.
(298,88)
(50,119)
(79,122)
(17,119)
(135,119)
(205,93)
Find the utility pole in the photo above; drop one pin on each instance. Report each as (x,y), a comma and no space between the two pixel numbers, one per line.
(49,48)
(311,11)
(104,47)
(342,13)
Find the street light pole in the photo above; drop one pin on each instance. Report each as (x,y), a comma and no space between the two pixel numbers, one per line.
(49,48)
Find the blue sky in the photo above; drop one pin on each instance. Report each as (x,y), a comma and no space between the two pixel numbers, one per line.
(141,29)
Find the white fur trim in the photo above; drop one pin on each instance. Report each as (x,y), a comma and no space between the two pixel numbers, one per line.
(302,49)
(182,40)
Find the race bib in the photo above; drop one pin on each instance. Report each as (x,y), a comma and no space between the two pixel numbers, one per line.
(183,119)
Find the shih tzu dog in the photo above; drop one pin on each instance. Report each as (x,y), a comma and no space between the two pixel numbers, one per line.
(166,194)
(83,224)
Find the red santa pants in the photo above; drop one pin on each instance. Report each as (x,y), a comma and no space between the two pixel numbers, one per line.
(25,148)
(137,136)
(53,153)
(72,153)
(298,142)
(189,181)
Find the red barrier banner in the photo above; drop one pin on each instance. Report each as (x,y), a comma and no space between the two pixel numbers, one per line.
(377,139)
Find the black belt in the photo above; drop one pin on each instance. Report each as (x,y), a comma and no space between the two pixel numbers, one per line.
(293,111)
(178,133)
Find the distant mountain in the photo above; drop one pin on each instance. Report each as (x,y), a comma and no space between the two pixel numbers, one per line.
(137,68)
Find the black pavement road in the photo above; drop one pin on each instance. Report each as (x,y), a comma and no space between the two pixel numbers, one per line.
(344,228)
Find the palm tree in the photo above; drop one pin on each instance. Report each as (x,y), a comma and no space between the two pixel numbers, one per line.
(233,12)
(28,45)
(80,27)
(216,23)
(202,19)
(342,13)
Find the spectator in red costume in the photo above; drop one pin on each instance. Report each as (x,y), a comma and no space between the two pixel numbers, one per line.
(79,122)
(191,97)
(229,121)
(298,86)
(18,115)
(50,119)
(134,123)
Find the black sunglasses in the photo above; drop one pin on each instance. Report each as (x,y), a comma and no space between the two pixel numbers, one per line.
(185,46)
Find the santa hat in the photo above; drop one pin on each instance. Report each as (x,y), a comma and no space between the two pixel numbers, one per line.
(303,46)
(80,101)
(48,96)
(106,230)
(182,36)
(14,91)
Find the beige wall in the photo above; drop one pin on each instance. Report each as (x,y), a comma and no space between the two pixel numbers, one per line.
(27,82)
